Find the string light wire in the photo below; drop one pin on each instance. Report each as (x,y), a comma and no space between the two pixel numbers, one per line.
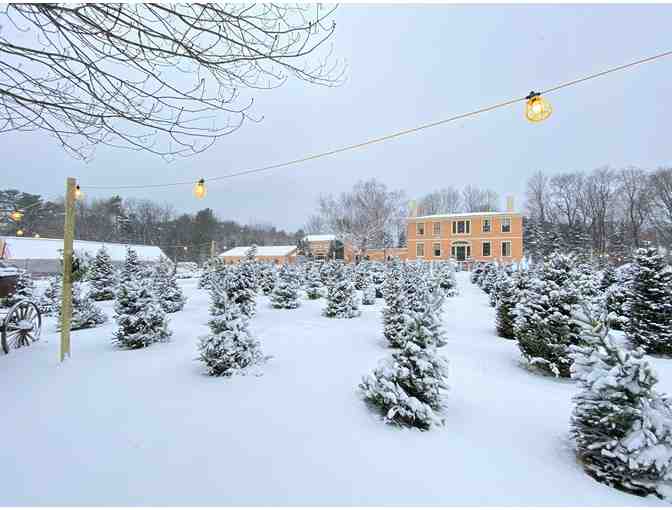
(391,136)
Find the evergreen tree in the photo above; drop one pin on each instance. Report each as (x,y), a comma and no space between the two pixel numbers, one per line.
(211,266)
(507,295)
(140,319)
(286,291)
(622,427)
(267,278)
(543,325)
(342,302)
(377,272)
(240,288)
(24,290)
(616,296)
(167,291)
(50,301)
(230,347)
(85,312)
(369,292)
(608,278)
(102,276)
(648,304)
(361,275)
(408,388)
(446,280)
(131,268)
(395,304)
(476,271)
(314,284)
(249,268)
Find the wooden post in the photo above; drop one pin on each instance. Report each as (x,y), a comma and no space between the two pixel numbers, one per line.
(213,249)
(68,236)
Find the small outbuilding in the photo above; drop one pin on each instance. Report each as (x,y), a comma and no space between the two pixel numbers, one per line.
(277,254)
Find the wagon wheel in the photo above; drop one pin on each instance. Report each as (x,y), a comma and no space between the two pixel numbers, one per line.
(22,326)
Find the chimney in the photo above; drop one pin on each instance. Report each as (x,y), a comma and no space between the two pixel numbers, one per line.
(509,203)
(413,208)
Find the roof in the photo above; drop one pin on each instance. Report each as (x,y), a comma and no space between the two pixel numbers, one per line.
(462,215)
(311,238)
(22,248)
(262,251)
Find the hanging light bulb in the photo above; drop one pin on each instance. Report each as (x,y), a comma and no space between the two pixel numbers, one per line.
(186,248)
(78,192)
(36,236)
(19,232)
(199,189)
(16,215)
(537,108)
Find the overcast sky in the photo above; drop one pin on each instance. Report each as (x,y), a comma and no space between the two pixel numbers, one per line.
(407,65)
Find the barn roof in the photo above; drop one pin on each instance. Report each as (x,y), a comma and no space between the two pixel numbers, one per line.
(262,251)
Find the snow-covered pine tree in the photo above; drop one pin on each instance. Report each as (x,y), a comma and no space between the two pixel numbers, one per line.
(313,284)
(168,293)
(621,426)
(369,292)
(267,277)
(489,277)
(249,268)
(140,319)
(230,347)
(362,274)
(377,272)
(50,300)
(407,388)
(616,296)
(286,291)
(85,312)
(211,266)
(507,297)
(395,303)
(131,269)
(608,277)
(24,290)
(543,325)
(476,271)
(446,280)
(648,304)
(342,302)
(240,288)
(102,276)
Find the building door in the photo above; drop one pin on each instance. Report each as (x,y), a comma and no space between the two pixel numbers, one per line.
(461,253)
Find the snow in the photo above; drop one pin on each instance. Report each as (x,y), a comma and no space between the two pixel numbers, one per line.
(313,238)
(262,251)
(462,215)
(21,248)
(147,427)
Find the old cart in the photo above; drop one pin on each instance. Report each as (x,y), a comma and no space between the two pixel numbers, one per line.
(21,324)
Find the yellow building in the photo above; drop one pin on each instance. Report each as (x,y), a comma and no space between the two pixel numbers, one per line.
(465,237)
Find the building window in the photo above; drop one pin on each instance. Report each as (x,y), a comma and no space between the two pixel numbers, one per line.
(506,248)
(487,250)
(420,250)
(437,228)
(487,224)
(506,224)
(468,252)
(436,249)
(462,227)
(420,229)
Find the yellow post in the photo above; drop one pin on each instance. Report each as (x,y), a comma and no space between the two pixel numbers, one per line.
(68,236)
(213,248)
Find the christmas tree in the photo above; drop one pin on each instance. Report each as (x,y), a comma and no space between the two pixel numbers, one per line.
(102,276)
(616,296)
(286,291)
(377,271)
(407,388)
(85,313)
(368,292)
(342,302)
(24,290)
(267,278)
(240,288)
(507,297)
(313,284)
(167,291)
(622,427)
(445,278)
(229,348)
(395,304)
(211,266)
(131,268)
(648,303)
(50,300)
(543,325)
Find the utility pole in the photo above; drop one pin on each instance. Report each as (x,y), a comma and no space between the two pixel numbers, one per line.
(213,249)
(68,236)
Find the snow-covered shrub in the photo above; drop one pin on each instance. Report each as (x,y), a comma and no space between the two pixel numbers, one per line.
(313,283)
(446,280)
(286,291)
(543,325)
(102,276)
(622,427)
(267,278)
(49,302)
(368,292)
(648,303)
(167,291)
(85,312)
(342,302)
(361,275)
(476,271)
(230,347)
(211,266)
(377,272)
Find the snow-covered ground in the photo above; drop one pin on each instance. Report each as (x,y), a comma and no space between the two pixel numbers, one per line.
(146,427)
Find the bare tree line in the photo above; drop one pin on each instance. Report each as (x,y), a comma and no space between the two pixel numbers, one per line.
(605,211)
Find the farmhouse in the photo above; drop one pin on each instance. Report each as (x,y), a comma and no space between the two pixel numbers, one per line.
(277,254)
(42,256)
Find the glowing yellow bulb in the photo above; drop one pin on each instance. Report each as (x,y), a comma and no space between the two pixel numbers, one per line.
(19,232)
(36,236)
(199,189)
(537,108)
(16,215)
(78,192)
(186,248)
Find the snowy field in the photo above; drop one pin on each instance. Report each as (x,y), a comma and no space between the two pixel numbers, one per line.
(146,427)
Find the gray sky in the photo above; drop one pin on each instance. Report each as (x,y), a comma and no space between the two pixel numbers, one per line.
(407,65)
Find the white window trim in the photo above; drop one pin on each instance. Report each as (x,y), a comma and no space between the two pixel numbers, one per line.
(417,229)
(440,250)
(510,249)
(489,243)
(434,224)
(489,220)
(501,225)
(467,231)
(417,246)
